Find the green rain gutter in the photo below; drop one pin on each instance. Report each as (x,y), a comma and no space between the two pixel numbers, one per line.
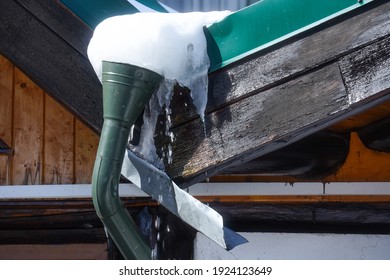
(92,12)
(242,33)
(267,23)
(126,90)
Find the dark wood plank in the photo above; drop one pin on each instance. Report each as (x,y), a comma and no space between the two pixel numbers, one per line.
(50,62)
(314,49)
(366,70)
(257,125)
(79,220)
(279,116)
(279,213)
(29,208)
(52,236)
(61,21)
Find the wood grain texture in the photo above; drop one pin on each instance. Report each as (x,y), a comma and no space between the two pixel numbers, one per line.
(59,144)
(6,96)
(366,71)
(369,213)
(61,21)
(258,124)
(28,131)
(6,89)
(45,134)
(86,144)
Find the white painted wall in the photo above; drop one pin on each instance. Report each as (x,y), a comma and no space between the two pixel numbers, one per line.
(299,246)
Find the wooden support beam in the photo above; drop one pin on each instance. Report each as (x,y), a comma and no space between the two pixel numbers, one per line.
(282,213)
(277,98)
(61,21)
(52,236)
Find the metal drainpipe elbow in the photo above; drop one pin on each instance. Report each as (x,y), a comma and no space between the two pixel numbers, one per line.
(126,90)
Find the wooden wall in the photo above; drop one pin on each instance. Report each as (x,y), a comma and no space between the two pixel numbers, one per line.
(50,145)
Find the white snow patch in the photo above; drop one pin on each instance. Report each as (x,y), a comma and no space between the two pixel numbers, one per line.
(171,44)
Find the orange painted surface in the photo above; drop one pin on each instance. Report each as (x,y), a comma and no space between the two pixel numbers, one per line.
(363,165)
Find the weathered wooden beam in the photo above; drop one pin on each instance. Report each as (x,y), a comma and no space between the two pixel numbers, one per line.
(39,207)
(78,220)
(262,123)
(61,21)
(279,213)
(52,236)
(263,70)
(282,96)
(44,45)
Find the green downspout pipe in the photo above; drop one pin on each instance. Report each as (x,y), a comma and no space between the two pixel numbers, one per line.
(126,90)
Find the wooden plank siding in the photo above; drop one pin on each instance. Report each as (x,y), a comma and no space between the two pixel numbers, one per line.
(59,144)
(50,145)
(86,144)
(6,97)
(28,134)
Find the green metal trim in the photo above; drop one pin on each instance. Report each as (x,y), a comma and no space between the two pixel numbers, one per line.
(266,23)
(92,12)
(126,90)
